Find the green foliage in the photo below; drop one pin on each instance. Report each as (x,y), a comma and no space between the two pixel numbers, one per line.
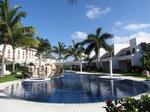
(75,50)
(60,50)
(44,46)
(29,42)
(9,17)
(97,41)
(17,66)
(129,104)
(20,33)
(145,59)
(10,77)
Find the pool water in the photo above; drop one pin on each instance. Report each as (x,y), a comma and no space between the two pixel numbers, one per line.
(73,88)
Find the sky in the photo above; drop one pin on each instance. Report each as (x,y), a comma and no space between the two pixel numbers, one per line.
(58,20)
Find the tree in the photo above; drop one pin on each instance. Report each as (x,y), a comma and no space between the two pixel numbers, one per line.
(75,50)
(145,59)
(8,18)
(19,32)
(43,49)
(60,50)
(97,41)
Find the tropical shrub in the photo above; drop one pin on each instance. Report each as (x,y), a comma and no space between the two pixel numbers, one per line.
(129,104)
(137,69)
(145,59)
(18,67)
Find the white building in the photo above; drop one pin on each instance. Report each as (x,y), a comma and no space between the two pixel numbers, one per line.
(24,55)
(125,55)
(21,55)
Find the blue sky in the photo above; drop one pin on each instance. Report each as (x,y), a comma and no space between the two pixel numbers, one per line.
(58,20)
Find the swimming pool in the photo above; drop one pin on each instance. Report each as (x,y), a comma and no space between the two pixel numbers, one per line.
(73,88)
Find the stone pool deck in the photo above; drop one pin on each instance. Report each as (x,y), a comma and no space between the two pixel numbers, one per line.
(11,105)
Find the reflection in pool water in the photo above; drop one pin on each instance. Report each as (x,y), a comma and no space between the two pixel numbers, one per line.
(75,89)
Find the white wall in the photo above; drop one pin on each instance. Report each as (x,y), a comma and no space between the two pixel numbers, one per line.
(102,52)
(135,43)
(134,57)
(118,47)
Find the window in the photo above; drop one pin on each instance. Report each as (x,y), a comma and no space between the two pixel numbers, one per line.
(18,54)
(27,53)
(23,55)
(128,52)
(133,50)
(8,53)
(32,54)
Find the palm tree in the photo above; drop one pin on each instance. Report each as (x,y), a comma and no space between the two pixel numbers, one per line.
(19,32)
(60,50)
(8,18)
(97,41)
(43,49)
(75,50)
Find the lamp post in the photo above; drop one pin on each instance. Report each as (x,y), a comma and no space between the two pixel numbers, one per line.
(81,62)
(110,66)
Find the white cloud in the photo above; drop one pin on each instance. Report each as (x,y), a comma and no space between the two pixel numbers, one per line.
(140,34)
(118,27)
(95,12)
(120,23)
(126,27)
(120,40)
(79,36)
(125,39)
(135,27)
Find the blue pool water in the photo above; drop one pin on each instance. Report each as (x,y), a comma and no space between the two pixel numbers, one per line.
(73,88)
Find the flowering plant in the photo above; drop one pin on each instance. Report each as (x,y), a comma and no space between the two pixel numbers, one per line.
(129,104)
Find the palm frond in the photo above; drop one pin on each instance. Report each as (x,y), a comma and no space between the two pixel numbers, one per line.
(106,36)
(18,17)
(13,12)
(98,31)
(89,48)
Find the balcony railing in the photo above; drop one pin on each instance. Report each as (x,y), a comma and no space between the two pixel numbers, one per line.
(125,53)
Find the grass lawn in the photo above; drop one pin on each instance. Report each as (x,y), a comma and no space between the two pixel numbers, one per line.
(11,77)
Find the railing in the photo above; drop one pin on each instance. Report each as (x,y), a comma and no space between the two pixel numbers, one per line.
(125,54)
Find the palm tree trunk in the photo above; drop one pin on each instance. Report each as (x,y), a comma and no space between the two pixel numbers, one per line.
(13,60)
(98,59)
(3,60)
